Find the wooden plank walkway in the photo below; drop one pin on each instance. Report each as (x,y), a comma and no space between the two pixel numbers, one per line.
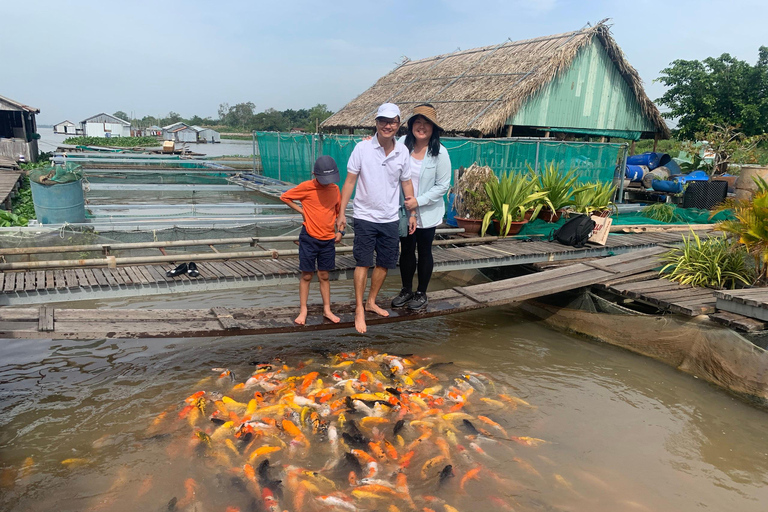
(8,181)
(664,294)
(749,302)
(53,323)
(43,286)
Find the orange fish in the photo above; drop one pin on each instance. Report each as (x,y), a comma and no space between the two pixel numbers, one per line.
(377,451)
(292,429)
(308,380)
(470,475)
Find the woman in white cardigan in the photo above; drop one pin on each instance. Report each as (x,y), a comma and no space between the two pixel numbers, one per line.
(431,178)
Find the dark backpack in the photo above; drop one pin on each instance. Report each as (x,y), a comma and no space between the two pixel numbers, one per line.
(575,232)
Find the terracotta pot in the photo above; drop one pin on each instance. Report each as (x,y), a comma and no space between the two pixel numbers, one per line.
(471,226)
(548,215)
(514,227)
(529,214)
(745,187)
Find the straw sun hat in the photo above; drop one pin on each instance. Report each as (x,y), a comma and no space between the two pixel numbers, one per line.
(426,110)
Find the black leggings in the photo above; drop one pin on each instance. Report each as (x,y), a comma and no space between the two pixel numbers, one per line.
(421,239)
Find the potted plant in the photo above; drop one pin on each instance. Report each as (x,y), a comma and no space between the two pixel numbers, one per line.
(595,198)
(559,188)
(511,197)
(470,197)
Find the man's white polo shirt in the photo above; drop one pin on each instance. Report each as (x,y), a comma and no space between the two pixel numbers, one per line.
(377,197)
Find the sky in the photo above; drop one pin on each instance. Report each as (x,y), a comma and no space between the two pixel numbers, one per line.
(73,59)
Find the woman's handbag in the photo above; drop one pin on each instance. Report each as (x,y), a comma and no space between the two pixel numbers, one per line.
(402,227)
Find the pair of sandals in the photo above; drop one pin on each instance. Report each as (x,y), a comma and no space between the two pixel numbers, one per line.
(189,269)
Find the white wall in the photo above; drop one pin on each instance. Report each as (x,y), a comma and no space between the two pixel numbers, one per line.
(101,129)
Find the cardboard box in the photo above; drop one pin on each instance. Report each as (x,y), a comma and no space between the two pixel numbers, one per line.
(600,233)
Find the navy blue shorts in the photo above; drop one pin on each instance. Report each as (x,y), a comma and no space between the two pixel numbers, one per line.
(384,238)
(312,250)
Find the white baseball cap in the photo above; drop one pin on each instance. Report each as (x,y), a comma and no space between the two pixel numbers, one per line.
(388,110)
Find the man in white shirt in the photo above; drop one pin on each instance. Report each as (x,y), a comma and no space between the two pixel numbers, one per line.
(379,168)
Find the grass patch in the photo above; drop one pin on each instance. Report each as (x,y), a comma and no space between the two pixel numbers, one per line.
(115,142)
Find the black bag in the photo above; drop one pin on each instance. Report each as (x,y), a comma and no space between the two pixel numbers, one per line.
(576,231)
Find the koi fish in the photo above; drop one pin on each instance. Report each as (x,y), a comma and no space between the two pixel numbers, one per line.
(469,475)
(429,465)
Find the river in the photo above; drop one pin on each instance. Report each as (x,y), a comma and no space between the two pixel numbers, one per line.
(620,431)
(49,141)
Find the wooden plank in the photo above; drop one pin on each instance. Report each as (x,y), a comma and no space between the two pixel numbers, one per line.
(146,274)
(157,273)
(46,321)
(210,270)
(244,269)
(644,276)
(39,280)
(225,318)
(61,282)
(9,283)
(739,322)
(108,276)
(132,277)
(693,308)
(467,293)
(30,281)
(50,281)
(2,280)
(598,266)
(225,271)
(81,277)
(71,279)
(742,309)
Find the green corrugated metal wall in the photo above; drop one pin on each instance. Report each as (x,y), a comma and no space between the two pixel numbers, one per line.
(590,95)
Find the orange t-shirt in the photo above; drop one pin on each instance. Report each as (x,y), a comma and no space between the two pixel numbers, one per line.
(321,205)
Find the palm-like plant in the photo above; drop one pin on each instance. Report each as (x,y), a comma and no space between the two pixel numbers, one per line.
(558,186)
(511,197)
(714,262)
(750,224)
(594,197)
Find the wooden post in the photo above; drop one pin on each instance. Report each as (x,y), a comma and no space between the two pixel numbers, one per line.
(632,148)
(655,141)
(546,134)
(509,131)
(351,131)
(602,139)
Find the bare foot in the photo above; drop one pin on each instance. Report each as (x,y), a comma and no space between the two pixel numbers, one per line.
(360,321)
(302,318)
(330,316)
(376,309)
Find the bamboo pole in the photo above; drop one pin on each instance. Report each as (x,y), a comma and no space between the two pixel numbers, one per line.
(112,262)
(105,248)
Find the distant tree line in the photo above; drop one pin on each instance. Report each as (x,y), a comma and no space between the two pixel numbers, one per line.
(243,117)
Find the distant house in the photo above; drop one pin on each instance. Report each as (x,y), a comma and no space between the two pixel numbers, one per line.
(154,130)
(179,132)
(67,128)
(105,125)
(18,130)
(207,135)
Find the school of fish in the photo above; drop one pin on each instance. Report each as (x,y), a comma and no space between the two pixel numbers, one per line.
(354,431)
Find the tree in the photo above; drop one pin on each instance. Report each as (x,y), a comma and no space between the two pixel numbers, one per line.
(171,118)
(317,115)
(720,91)
(122,115)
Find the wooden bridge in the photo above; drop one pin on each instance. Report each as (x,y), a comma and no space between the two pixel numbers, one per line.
(54,323)
(112,277)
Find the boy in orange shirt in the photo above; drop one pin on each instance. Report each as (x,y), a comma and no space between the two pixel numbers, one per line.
(320,201)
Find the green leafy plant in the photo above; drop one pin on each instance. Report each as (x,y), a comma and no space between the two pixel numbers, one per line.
(715,262)
(470,198)
(594,197)
(560,187)
(119,142)
(511,197)
(663,212)
(750,224)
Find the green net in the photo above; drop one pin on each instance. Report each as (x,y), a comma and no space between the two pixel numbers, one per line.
(53,174)
(539,228)
(290,156)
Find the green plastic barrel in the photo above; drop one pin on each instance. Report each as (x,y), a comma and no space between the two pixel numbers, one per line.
(59,203)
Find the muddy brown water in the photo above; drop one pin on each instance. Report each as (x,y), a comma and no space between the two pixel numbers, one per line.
(623,432)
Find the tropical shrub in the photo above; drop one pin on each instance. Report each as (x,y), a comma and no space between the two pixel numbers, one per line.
(511,197)
(594,197)
(663,212)
(560,187)
(749,224)
(715,262)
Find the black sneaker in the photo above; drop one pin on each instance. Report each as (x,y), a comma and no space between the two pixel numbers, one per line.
(402,299)
(418,302)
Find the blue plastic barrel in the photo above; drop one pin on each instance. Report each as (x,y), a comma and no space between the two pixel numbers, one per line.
(450,214)
(650,160)
(635,172)
(59,203)
(672,187)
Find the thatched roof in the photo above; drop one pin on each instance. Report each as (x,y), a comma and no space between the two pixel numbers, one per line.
(476,91)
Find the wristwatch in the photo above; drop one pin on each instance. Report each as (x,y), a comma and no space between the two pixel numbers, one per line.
(342,233)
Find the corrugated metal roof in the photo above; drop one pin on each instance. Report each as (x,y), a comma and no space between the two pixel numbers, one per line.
(105,118)
(9,104)
(590,94)
(65,122)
